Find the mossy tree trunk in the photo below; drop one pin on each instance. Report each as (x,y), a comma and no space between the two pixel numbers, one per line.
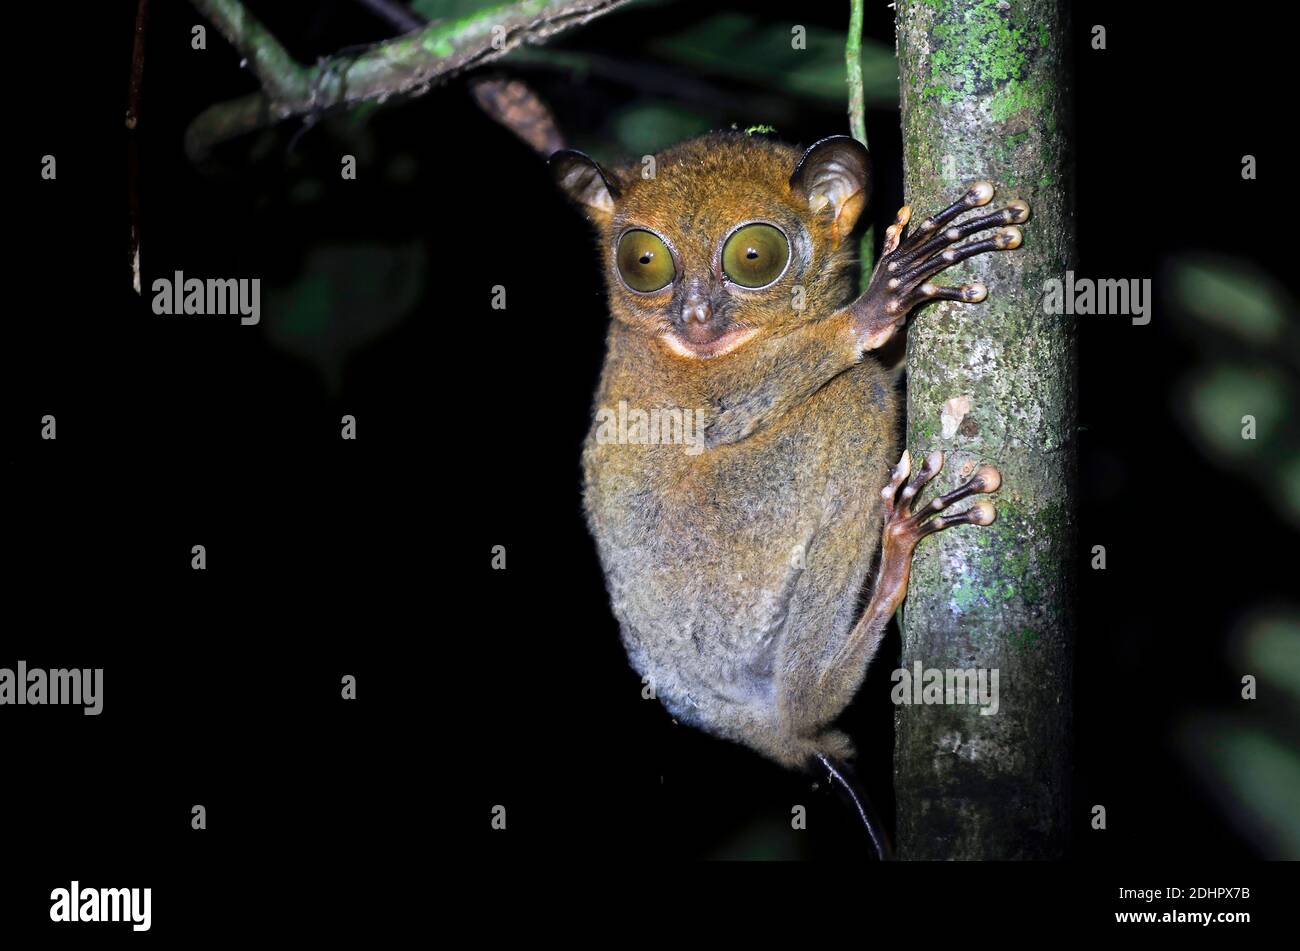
(985,95)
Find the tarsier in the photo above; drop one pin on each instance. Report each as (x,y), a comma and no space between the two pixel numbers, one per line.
(737,574)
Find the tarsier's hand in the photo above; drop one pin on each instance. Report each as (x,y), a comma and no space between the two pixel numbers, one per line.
(901,280)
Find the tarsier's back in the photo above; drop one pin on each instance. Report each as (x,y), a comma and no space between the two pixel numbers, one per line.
(740,442)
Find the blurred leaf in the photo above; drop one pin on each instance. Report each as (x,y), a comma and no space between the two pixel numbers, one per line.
(1290,481)
(1236,304)
(346,296)
(1231,295)
(1270,648)
(739,46)
(1255,778)
(645,127)
(1219,396)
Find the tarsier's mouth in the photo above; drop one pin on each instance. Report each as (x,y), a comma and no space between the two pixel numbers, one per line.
(700,342)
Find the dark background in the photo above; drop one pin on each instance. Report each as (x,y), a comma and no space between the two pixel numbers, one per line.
(372,557)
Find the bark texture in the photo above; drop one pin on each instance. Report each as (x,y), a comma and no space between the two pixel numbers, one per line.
(986,95)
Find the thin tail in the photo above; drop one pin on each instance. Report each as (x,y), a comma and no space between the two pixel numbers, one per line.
(845,783)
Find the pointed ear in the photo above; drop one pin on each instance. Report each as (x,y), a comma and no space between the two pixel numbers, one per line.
(582,180)
(833,176)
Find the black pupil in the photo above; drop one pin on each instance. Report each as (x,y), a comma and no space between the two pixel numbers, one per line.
(751,254)
(646,258)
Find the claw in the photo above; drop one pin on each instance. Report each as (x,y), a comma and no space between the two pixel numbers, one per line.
(891,240)
(897,477)
(895,231)
(1009,238)
(981,193)
(933,463)
(989,477)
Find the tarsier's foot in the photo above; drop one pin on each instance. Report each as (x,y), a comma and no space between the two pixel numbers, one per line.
(906,523)
(901,280)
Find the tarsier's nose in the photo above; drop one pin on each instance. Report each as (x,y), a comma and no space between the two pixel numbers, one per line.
(696,311)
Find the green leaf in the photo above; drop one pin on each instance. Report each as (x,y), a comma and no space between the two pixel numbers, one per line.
(1255,777)
(1271,650)
(1231,295)
(1219,396)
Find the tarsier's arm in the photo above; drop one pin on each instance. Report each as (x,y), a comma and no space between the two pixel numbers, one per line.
(804,360)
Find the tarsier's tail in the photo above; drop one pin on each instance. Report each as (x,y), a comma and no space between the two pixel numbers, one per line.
(514,104)
(841,777)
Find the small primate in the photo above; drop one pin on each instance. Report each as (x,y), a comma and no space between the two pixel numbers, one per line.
(737,571)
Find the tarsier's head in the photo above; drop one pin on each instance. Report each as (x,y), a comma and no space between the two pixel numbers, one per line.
(723,238)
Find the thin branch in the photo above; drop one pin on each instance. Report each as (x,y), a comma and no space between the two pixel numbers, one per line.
(853,66)
(133,154)
(137,65)
(282,78)
(404,65)
(858,125)
(509,102)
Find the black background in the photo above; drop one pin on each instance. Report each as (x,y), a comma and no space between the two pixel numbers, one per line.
(372,557)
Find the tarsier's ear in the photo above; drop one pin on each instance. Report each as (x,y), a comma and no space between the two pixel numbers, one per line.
(581,179)
(833,176)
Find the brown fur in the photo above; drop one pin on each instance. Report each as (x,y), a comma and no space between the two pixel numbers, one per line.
(737,573)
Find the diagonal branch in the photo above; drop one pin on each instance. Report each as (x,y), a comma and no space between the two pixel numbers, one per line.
(282,78)
(405,65)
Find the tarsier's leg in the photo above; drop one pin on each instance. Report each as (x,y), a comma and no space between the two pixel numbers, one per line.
(901,280)
(899,284)
(905,525)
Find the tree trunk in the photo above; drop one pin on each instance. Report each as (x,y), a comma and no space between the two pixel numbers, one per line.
(986,95)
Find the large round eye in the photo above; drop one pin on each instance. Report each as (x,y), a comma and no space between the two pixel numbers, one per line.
(755,255)
(644,261)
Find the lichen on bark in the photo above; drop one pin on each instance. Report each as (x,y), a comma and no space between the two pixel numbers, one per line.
(985,95)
